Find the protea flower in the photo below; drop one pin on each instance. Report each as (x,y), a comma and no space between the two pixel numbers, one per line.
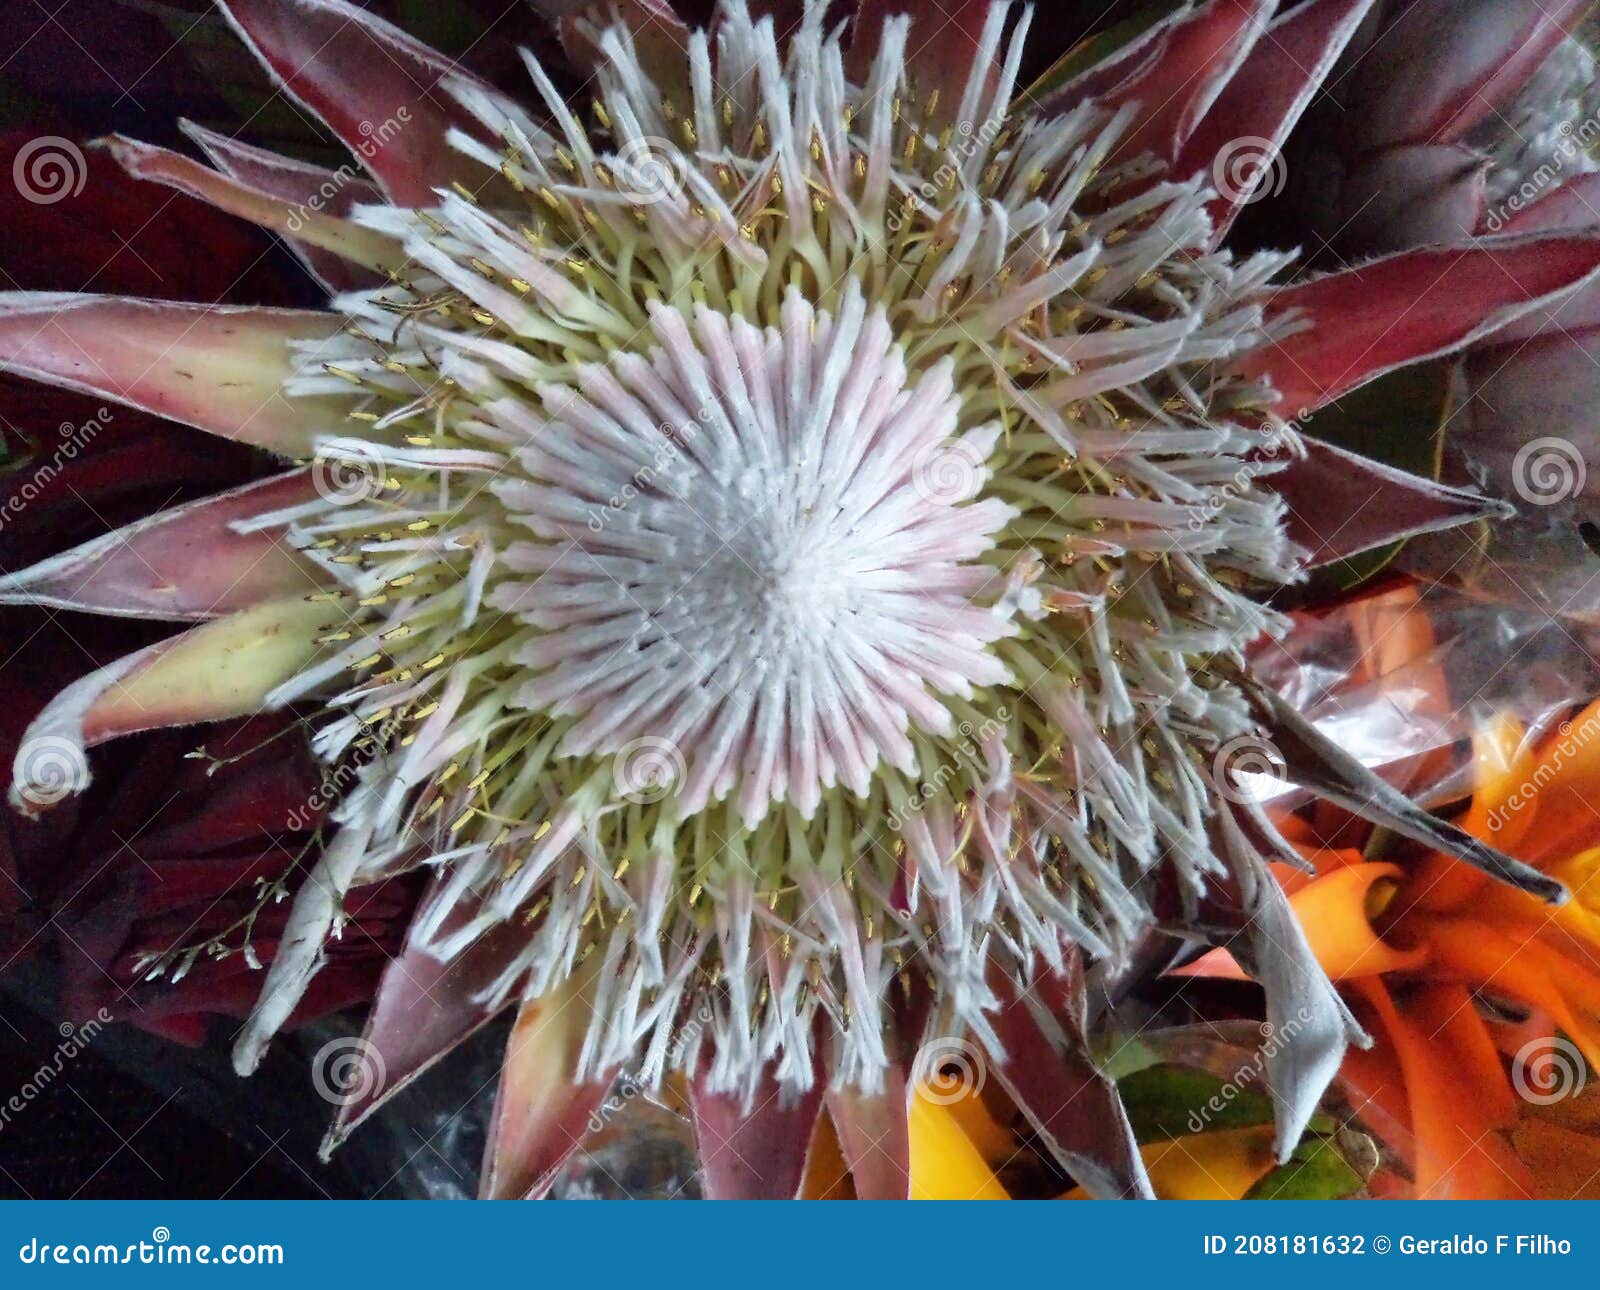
(777,544)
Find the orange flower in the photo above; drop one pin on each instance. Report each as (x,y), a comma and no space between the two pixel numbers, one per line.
(1420,946)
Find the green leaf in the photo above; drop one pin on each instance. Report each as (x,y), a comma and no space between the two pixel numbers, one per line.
(1171,1101)
(1095,49)
(1400,420)
(1316,1171)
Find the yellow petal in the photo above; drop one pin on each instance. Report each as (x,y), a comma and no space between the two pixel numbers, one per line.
(1223,1165)
(1220,1165)
(225,668)
(944,1163)
(1500,763)
(995,1143)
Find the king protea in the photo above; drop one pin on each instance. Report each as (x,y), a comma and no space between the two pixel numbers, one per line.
(777,541)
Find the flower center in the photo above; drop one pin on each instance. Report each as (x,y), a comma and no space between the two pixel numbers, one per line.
(763,579)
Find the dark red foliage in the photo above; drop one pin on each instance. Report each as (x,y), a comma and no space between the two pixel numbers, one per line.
(157,853)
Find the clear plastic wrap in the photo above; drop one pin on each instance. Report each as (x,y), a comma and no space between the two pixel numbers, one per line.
(1402,675)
